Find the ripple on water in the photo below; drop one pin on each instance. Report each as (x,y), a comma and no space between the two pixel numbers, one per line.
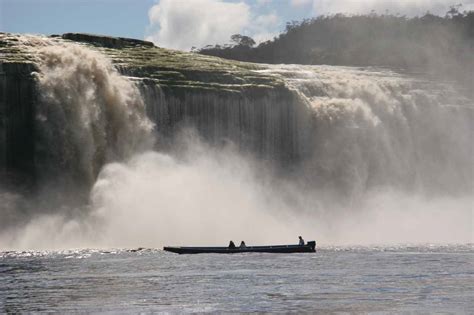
(404,278)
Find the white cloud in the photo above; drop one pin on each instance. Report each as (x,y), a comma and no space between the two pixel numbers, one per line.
(263,2)
(300,3)
(267,20)
(261,27)
(181,24)
(404,7)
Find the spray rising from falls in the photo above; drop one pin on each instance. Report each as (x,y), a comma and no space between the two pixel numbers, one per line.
(204,195)
(374,157)
(383,158)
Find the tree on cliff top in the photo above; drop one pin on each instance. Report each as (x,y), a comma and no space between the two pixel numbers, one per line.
(444,45)
(242,40)
(362,40)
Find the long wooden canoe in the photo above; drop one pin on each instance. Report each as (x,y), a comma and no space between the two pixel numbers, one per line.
(310,247)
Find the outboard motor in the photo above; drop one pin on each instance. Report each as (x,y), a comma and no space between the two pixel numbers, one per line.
(312,244)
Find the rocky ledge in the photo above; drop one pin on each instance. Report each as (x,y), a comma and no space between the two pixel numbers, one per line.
(223,99)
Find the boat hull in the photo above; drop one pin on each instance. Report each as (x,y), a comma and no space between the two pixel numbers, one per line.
(310,247)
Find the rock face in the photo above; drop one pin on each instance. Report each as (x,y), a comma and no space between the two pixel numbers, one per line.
(17,101)
(106,41)
(224,100)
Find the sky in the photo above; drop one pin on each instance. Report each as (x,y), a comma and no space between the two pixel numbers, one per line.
(183,24)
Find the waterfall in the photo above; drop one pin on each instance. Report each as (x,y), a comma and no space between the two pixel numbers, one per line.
(343,130)
(87,115)
(265,124)
(329,148)
(375,128)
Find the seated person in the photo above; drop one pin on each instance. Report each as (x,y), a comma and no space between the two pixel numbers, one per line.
(301,243)
(231,244)
(242,244)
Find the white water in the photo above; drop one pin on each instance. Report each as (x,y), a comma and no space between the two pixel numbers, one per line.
(387,160)
(210,197)
(375,128)
(88,115)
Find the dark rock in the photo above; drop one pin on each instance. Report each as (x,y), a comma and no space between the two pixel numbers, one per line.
(106,41)
(17,101)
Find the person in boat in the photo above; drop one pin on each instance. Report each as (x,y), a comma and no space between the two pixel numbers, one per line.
(242,244)
(231,244)
(301,242)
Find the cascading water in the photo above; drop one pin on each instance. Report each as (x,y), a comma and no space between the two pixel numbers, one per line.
(371,128)
(88,115)
(265,124)
(345,130)
(362,147)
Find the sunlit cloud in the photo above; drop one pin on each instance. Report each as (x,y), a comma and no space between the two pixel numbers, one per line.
(300,3)
(263,25)
(263,2)
(181,24)
(403,7)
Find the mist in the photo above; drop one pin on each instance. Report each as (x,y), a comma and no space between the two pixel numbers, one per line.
(199,195)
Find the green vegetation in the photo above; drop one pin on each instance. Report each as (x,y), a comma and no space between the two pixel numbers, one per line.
(424,43)
(166,67)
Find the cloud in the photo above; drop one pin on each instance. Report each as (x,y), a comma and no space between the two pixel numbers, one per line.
(404,7)
(263,2)
(262,25)
(300,3)
(181,24)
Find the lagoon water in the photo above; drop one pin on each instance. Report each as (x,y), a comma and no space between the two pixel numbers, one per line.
(428,279)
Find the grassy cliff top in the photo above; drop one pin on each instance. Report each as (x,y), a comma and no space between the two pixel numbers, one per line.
(144,60)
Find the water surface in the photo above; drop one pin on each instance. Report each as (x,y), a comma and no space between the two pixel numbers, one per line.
(359,279)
